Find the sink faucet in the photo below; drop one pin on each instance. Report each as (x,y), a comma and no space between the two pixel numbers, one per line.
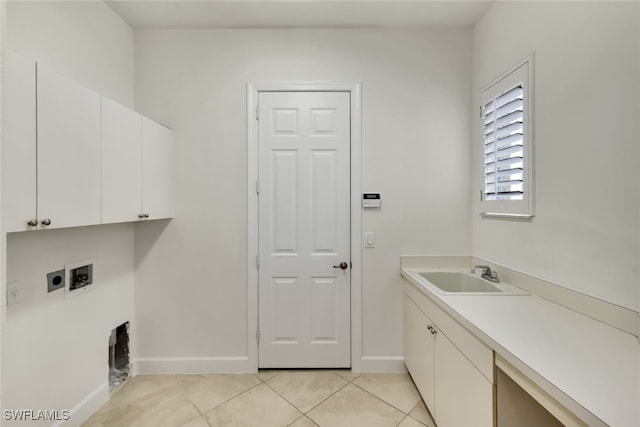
(491,276)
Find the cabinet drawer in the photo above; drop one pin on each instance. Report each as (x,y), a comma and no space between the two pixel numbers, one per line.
(479,354)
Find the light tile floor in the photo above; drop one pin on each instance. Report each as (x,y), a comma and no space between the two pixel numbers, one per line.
(269,398)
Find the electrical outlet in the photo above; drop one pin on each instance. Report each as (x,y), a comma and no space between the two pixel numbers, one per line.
(13,293)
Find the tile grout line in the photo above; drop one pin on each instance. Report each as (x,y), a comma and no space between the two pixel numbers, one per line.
(384,401)
(323,400)
(225,401)
(316,405)
(178,385)
(286,400)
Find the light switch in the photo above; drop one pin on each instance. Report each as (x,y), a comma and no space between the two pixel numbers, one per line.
(369,240)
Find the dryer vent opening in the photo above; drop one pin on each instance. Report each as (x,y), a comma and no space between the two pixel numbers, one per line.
(119,366)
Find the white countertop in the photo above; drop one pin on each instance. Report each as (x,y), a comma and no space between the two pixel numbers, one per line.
(591,368)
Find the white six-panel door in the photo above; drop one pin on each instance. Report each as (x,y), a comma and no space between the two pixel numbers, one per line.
(304,229)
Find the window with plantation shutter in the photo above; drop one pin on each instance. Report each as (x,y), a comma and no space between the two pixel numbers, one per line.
(507,145)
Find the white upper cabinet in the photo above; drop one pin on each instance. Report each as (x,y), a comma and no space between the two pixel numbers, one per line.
(158,188)
(121,163)
(68,155)
(18,144)
(73,158)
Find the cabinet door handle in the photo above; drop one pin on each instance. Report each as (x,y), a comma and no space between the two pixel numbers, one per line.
(46,221)
(33,222)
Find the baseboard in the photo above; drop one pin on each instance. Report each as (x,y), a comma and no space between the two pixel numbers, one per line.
(382,364)
(192,365)
(86,407)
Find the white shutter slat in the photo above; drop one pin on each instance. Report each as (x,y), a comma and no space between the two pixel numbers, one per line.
(510,141)
(509,164)
(509,119)
(508,96)
(509,130)
(510,153)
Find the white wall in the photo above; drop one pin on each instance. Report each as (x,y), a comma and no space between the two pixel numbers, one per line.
(3,238)
(55,350)
(191,282)
(585,233)
(82,40)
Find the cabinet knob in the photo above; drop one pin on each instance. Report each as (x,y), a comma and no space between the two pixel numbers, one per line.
(146,215)
(46,221)
(141,216)
(33,222)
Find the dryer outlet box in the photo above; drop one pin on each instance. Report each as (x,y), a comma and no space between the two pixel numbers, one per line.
(55,280)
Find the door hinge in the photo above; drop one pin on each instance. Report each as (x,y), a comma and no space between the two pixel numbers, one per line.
(257,187)
(257,112)
(481,194)
(258,261)
(258,336)
(481,111)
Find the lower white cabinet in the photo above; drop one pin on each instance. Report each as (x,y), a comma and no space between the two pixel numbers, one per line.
(456,392)
(464,397)
(419,351)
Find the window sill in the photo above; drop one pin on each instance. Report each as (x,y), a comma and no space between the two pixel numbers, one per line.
(506,215)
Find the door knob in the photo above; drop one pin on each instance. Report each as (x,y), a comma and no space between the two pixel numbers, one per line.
(343,265)
(46,221)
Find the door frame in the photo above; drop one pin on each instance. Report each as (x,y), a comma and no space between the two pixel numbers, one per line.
(253,90)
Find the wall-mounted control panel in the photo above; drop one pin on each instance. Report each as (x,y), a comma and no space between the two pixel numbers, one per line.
(79,277)
(371,200)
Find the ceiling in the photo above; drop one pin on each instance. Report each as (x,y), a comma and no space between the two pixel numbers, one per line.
(147,14)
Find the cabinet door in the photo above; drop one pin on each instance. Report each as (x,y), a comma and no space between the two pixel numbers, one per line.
(157,170)
(418,351)
(464,397)
(121,163)
(18,143)
(68,152)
